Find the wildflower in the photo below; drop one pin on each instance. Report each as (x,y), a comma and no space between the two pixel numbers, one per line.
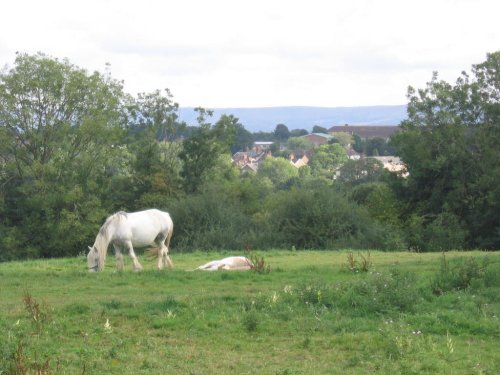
(107,326)
(274,298)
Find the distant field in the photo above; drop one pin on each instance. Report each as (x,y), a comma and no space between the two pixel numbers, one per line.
(316,312)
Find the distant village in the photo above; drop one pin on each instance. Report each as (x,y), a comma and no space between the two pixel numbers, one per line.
(249,160)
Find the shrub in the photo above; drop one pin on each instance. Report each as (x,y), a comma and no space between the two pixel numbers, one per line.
(463,275)
(210,220)
(444,232)
(318,218)
(379,293)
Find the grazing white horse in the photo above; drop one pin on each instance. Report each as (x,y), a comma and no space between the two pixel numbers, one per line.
(229,263)
(129,230)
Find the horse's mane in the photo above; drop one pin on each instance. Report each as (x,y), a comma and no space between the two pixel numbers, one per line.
(102,240)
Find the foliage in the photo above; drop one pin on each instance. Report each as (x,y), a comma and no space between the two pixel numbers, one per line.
(319,129)
(317,218)
(202,150)
(298,144)
(74,148)
(363,265)
(278,170)
(38,313)
(58,125)
(354,172)
(281,132)
(343,138)
(259,264)
(209,220)
(447,144)
(327,159)
(465,274)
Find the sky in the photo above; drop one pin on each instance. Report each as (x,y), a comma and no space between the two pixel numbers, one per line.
(259,53)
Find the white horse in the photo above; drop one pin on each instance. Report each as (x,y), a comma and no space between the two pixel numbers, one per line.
(229,263)
(129,230)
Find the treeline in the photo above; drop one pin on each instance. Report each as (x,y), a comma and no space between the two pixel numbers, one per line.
(74,148)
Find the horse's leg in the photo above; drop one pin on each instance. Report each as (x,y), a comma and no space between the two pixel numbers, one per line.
(119,257)
(160,257)
(135,262)
(163,258)
(168,261)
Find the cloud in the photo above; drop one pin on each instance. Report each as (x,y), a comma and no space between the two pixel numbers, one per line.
(225,53)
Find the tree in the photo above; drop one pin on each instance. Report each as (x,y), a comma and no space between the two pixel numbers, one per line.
(358,144)
(298,132)
(156,113)
(377,146)
(243,139)
(343,138)
(203,149)
(326,159)
(281,132)
(355,172)
(58,128)
(153,127)
(278,170)
(319,129)
(448,144)
(299,144)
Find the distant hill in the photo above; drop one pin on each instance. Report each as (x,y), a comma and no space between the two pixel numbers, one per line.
(265,119)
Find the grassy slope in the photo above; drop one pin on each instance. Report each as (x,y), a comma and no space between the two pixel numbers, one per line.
(310,315)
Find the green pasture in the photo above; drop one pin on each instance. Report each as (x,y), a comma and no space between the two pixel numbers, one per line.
(316,312)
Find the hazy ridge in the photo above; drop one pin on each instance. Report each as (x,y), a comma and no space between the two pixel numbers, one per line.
(301,117)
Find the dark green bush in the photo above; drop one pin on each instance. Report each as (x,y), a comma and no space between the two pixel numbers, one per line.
(318,218)
(210,220)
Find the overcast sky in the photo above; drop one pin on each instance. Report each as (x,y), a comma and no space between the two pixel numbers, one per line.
(231,53)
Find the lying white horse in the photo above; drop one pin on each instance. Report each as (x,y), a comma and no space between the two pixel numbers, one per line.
(129,230)
(229,264)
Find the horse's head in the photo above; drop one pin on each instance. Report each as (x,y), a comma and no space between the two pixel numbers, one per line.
(93,259)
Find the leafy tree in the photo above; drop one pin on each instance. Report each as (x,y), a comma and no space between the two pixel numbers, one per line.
(278,170)
(319,129)
(243,139)
(355,172)
(378,146)
(343,138)
(326,159)
(298,132)
(153,126)
(155,113)
(58,128)
(202,150)
(448,144)
(298,144)
(281,132)
(358,144)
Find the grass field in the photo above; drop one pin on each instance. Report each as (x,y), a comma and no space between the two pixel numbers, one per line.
(314,313)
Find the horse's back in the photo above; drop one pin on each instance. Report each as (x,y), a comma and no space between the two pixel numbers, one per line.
(144,226)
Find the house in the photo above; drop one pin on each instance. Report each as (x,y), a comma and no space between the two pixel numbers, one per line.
(353,154)
(248,161)
(299,161)
(262,146)
(391,163)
